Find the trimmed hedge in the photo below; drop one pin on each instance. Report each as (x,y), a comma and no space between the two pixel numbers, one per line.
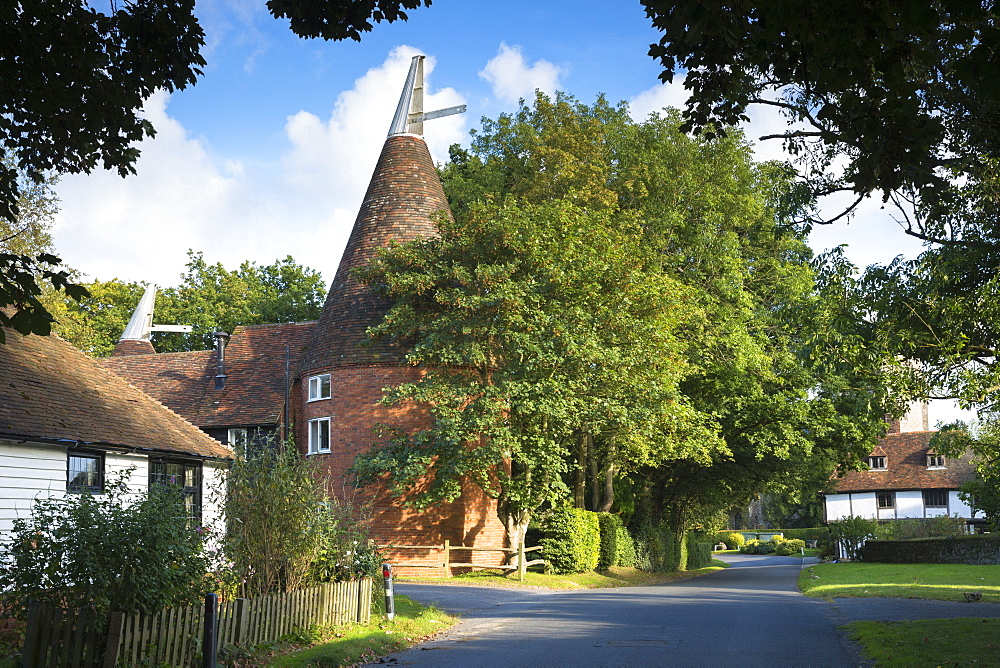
(627,556)
(617,546)
(699,551)
(977,550)
(571,540)
(821,534)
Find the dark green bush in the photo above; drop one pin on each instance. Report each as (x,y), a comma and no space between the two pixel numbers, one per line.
(852,532)
(571,540)
(932,527)
(609,525)
(699,551)
(982,549)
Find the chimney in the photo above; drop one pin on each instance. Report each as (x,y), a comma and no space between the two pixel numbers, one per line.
(220,359)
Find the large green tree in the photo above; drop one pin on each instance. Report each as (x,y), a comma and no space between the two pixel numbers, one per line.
(767,374)
(537,325)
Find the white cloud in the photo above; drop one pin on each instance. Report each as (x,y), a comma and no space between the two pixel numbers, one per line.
(512,78)
(656,98)
(185,196)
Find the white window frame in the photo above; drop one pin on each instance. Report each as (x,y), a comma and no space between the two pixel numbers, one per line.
(238,437)
(938,492)
(316,429)
(888,496)
(316,384)
(935,461)
(873,460)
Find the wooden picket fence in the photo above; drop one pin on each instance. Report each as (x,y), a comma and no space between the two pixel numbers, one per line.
(55,637)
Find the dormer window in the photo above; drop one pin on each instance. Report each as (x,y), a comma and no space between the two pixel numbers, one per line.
(935,461)
(877,463)
(319,387)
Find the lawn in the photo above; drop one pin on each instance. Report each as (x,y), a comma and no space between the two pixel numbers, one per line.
(941,582)
(933,642)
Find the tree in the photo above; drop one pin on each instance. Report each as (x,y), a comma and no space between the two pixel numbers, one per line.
(75,80)
(536,325)
(768,372)
(210,297)
(982,443)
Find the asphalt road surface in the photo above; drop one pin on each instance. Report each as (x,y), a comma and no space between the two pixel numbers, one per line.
(748,615)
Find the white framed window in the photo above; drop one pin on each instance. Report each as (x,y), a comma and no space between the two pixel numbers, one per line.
(877,463)
(935,461)
(319,387)
(319,435)
(238,440)
(886,499)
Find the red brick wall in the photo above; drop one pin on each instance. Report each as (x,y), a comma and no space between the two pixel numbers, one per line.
(354,410)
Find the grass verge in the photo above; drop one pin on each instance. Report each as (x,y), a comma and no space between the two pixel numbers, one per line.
(614,577)
(356,644)
(933,642)
(941,582)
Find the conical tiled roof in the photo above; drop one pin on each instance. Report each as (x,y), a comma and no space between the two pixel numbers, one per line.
(403,198)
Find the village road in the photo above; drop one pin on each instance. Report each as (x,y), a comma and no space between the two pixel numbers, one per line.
(749,615)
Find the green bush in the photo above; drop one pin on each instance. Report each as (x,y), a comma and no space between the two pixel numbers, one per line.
(699,551)
(609,525)
(786,548)
(117,551)
(852,532)
(627,556)
(933,527)
(572,540)
(759,547)
(982,549)
(733,539)
(819,534)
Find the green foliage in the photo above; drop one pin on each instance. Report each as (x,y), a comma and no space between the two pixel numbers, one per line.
(897,99)
(933,527)
(976,549)
(734,540)
(117,551)
(819,534)
(283,531)
(572,540)
(699,551)
(209,297)
(612,530)
(981,442)
(757,546)
(627,556)
(792,546)
(852,532)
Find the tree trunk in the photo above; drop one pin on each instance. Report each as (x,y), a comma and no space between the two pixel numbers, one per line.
(595,480)
(609,490)
(580,481)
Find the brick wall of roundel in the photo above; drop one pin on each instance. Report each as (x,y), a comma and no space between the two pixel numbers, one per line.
(354,410)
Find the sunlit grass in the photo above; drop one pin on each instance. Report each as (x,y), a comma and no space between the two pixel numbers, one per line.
(355,644)
(934,642)
(943,582)
(614,577)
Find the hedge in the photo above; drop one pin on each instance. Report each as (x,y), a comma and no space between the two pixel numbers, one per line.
(979,549)
(617,546)
(821,534)
(699,551)
(571,540)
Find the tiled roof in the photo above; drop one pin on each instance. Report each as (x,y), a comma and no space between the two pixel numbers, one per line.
(906,467)
(49,390)
(403,197)
(254,393)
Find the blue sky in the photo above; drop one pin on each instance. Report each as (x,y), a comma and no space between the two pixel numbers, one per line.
(270,152)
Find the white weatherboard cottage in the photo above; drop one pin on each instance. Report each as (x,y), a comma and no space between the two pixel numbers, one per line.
(905,479)
(67,425)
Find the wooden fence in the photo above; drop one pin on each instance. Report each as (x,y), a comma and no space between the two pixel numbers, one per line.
(55,637)
(447,564)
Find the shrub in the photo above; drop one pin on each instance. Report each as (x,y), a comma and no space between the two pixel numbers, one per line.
(819,534)
(982,549)
(789,547)
(609,526)
(934,527)
(627,556)
(852,532)
(699,551)
(121,550)
(733,539)
(756,546)
(572,540)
